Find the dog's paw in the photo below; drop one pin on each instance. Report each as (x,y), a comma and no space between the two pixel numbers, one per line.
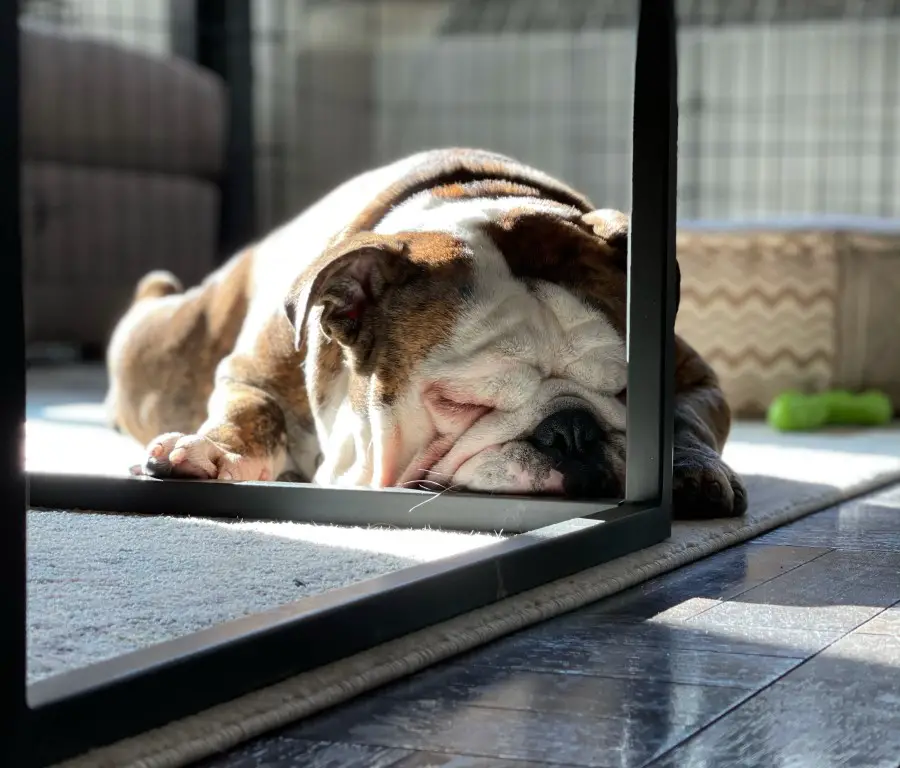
(704,486)
(174,455)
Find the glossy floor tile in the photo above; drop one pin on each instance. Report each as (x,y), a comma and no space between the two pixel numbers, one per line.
(780,652)
(841,708)
(666,635)
(507,688)
(837,591)
(579,655)
(286,752)
(691,590)
(857,525)
(885,623)
(784,727)
(575,738)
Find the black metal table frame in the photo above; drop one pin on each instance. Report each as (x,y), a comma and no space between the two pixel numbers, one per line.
(68,714)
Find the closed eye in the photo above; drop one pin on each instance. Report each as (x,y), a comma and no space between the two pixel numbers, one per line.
(451,404)
(448,406)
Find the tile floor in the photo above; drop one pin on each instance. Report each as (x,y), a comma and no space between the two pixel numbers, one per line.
(784,651)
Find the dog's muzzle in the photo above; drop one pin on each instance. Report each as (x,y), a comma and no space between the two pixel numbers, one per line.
(575,441)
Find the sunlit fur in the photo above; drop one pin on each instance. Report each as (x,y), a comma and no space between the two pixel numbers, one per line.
(523,351)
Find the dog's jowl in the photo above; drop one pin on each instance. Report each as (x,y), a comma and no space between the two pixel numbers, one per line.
(454,320)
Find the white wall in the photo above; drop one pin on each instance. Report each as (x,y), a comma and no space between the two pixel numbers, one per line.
(814,138)
(141,24)
(314,75)
(558,101)
(796,119)
(790,120)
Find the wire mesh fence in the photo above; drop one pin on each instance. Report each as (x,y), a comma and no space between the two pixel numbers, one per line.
(787,108)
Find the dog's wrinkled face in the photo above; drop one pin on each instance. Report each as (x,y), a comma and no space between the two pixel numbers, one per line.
(472,344)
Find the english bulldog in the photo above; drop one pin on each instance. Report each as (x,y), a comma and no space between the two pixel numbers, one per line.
(454,320)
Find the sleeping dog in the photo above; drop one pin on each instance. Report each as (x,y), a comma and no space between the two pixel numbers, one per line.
(455,319)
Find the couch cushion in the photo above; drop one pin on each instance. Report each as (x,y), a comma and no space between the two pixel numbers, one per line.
(95,103)
(90,234)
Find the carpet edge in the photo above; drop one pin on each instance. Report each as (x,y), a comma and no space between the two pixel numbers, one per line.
(223,727)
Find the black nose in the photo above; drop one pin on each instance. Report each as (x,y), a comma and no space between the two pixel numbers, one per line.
(569,434)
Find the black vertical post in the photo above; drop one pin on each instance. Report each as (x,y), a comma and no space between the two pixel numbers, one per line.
(218,35)
(12,406)
(652,277)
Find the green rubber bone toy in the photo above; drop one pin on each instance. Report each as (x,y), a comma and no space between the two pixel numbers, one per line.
(795,411)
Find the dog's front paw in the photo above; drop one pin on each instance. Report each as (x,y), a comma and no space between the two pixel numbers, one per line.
(174,455)
(704,486)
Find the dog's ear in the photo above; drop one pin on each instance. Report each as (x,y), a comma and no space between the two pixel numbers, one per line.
(348,283)
(609,225)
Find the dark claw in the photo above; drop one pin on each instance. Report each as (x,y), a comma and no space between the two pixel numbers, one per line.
(157,468)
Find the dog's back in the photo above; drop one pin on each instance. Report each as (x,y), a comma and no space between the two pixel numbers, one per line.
(163,354)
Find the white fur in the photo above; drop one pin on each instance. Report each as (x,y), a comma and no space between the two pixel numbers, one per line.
(530,353)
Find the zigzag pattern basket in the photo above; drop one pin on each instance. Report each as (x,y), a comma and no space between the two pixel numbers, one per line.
(792,307)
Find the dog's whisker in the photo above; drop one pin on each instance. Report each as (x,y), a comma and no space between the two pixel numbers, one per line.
(432,498)
(417,483)
(432,472)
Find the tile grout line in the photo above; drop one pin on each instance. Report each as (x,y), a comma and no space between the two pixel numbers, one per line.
(764,581)
(661,647)
(549,673)
(872,618)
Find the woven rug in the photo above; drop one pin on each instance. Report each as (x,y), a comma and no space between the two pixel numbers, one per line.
(788,476)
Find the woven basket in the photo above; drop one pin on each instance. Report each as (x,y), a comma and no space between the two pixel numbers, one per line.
(801,306)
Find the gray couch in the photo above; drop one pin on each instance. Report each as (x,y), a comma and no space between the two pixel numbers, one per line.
(121,155)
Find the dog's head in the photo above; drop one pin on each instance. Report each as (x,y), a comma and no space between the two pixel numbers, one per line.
(470,345)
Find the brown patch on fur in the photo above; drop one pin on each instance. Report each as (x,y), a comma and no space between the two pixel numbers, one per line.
(460,167)
(701,410)
(703,486)
(546,246)
(422,314)
(167,372)
(416,311)
(163,371)
(251,423)
(257,393)
(487,189)
(329,364)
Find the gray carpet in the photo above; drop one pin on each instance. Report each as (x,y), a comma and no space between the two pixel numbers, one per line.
(102,584)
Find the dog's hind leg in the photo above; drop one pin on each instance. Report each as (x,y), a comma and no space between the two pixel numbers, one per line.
(163,354)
